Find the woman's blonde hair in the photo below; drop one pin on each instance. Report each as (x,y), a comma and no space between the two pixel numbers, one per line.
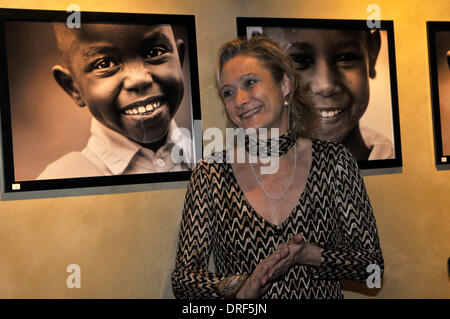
(302,113)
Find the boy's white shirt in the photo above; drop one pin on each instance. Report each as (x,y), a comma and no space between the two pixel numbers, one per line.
(381,147)
(110,153)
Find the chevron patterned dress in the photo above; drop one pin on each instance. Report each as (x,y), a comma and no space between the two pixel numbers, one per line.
(333,212)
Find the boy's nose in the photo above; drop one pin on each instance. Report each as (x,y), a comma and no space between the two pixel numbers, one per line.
(137,77)
(323,81)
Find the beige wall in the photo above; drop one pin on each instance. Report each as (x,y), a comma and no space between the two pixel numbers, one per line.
(125,243)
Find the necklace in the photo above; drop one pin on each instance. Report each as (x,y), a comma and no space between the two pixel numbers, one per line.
(287,186)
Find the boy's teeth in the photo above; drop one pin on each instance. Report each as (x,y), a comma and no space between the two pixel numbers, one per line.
(328,114)
(143,109)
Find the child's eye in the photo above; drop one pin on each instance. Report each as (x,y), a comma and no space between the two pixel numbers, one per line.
(104,67)
(348,58)
(155,53)
(104,64)
(302,61)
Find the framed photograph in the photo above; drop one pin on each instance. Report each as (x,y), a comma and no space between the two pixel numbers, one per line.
(92,99)
(439,55)
(349,72)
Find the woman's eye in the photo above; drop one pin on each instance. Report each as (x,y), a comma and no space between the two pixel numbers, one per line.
(226,94)
(302,61)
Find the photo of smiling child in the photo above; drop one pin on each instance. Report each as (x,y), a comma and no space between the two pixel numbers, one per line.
(130,79)
(337,67)
(443,73)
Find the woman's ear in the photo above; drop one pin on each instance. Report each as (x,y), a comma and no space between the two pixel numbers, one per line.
(373,48)
(65,80)
(285,85)
(181,48)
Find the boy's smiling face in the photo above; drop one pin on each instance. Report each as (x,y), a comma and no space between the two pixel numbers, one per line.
(130,77)
(335,67)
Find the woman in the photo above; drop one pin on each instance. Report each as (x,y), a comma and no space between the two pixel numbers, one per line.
(290,234)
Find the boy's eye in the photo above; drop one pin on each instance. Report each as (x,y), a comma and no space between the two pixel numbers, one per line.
(104,65)
(155,53)
(348,58)
(302,61)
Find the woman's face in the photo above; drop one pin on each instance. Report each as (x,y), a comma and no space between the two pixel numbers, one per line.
(335,69)
(252,97)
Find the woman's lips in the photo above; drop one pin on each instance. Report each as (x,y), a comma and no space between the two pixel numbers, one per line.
(250,112)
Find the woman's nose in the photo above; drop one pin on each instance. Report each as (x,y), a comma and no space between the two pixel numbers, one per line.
(137,77)
(242,97)
(324,79)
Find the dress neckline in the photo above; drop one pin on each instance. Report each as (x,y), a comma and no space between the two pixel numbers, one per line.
(253,211)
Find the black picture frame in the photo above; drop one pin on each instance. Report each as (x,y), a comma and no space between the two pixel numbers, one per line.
(248,25)
(183,25)
(439,65)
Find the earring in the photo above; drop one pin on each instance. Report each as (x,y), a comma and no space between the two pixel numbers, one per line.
(286,103)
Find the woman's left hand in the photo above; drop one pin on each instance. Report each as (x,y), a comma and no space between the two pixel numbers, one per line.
(300,253)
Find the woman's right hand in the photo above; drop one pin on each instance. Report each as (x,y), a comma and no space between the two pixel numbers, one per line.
(259,281)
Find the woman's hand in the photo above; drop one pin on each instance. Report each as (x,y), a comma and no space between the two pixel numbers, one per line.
(300,253)
(259,281)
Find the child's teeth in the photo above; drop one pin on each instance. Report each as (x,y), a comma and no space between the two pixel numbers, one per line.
(330,113)
(143,109)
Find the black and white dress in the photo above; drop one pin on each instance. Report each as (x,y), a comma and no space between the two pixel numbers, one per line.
(333,212)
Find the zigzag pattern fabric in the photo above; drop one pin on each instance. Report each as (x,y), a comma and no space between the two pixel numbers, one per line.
(270,147)
(333,212)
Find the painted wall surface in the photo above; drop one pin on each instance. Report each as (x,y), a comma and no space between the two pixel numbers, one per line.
(125,243)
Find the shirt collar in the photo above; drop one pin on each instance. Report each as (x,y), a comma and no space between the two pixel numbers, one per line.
(117,151)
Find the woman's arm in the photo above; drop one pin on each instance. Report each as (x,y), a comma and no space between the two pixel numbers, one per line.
(191,278)
(360,245)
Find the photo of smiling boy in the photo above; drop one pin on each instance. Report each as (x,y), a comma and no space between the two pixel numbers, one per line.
(336,66)
(130,79)
(443,74)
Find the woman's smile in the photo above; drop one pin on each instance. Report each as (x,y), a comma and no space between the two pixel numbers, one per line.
(251,95)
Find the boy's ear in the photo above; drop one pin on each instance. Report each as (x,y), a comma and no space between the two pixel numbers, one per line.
(374,44)
(181,48)
(65,79)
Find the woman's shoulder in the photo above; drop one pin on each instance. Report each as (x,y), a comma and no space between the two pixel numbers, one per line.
(330,149)
(213,161)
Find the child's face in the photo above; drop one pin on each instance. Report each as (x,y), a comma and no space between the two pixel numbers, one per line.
(130,77)
(335,68)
